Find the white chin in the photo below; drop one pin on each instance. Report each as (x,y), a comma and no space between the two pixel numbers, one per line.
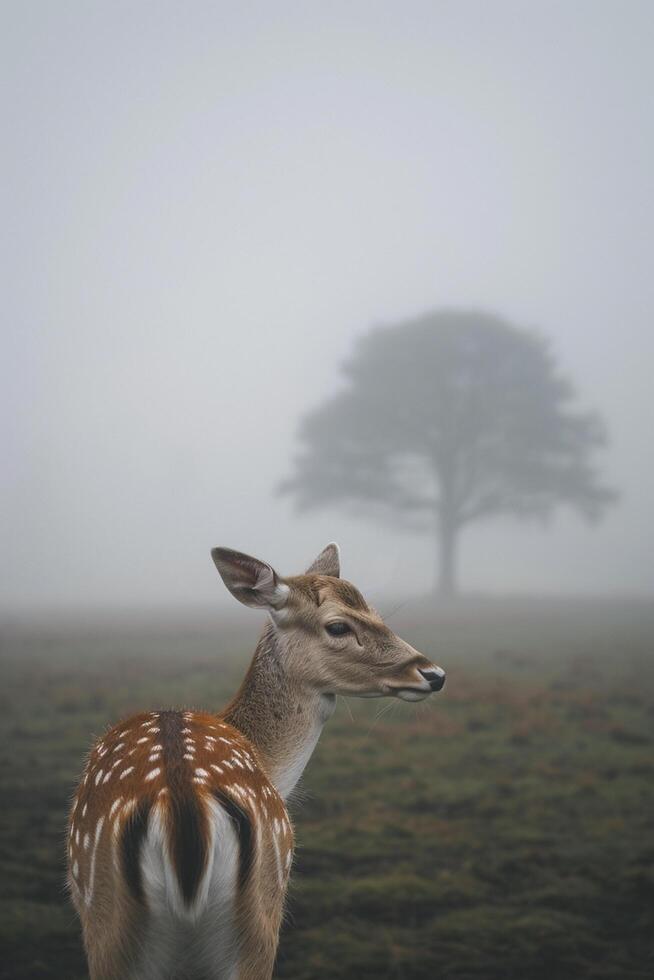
(408,695)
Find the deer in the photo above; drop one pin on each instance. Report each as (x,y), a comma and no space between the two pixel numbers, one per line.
(180,844)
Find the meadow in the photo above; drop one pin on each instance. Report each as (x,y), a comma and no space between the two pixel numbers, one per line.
(503,829)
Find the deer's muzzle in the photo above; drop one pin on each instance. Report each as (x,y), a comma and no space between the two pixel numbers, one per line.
(434,676)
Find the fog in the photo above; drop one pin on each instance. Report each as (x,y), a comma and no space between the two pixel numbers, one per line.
(206,204)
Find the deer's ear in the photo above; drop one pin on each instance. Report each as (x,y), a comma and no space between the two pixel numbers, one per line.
(252,582)
(328,562)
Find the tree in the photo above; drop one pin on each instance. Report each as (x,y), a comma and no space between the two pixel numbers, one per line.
(445,420)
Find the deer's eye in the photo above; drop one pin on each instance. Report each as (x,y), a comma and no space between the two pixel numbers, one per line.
(337,629)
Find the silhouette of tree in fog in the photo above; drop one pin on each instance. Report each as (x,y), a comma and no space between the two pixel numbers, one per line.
(445,420)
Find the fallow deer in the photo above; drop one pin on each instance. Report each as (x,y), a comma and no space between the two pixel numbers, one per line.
(180,844)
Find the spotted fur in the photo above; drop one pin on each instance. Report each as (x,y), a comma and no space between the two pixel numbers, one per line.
(179,842)
(199,757)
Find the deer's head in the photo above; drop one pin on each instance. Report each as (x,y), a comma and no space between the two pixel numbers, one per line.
(331,638)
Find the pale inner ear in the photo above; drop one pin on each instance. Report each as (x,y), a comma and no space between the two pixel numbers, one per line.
(328,562)
(273,592)
(252,582)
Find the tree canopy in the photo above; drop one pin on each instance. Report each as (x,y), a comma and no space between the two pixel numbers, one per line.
(447,419)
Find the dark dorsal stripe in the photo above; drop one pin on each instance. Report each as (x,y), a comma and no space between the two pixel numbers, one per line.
(188,831)
(244,833)
(186,821)
(133,835)
(189,844)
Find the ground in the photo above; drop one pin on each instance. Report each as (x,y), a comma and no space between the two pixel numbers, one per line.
(502,829)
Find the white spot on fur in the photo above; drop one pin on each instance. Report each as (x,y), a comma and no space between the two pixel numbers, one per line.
(201,772)
(152,775)
(140,741)
(107,777)
(187,755)
(114,806)
(278,862)
(87,841)
(121,745)
(84,809)
(89,891)
(126,772)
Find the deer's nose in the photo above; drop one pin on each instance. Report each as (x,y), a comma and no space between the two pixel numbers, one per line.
(434,676)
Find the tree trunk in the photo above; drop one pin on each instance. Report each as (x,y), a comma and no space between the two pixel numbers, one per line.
(446,552)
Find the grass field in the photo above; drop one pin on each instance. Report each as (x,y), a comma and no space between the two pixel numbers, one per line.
(504,829)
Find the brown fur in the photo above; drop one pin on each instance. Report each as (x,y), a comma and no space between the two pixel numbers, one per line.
(178,764)
(317,588)
(113,920)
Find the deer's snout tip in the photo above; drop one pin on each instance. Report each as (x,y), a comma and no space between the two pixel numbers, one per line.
(435,677)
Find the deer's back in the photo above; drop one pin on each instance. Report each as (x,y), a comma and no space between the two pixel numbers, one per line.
(172,814)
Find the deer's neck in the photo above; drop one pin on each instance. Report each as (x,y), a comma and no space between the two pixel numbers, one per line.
(281,716)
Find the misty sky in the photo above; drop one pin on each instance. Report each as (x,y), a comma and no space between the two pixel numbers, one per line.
(205,203)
